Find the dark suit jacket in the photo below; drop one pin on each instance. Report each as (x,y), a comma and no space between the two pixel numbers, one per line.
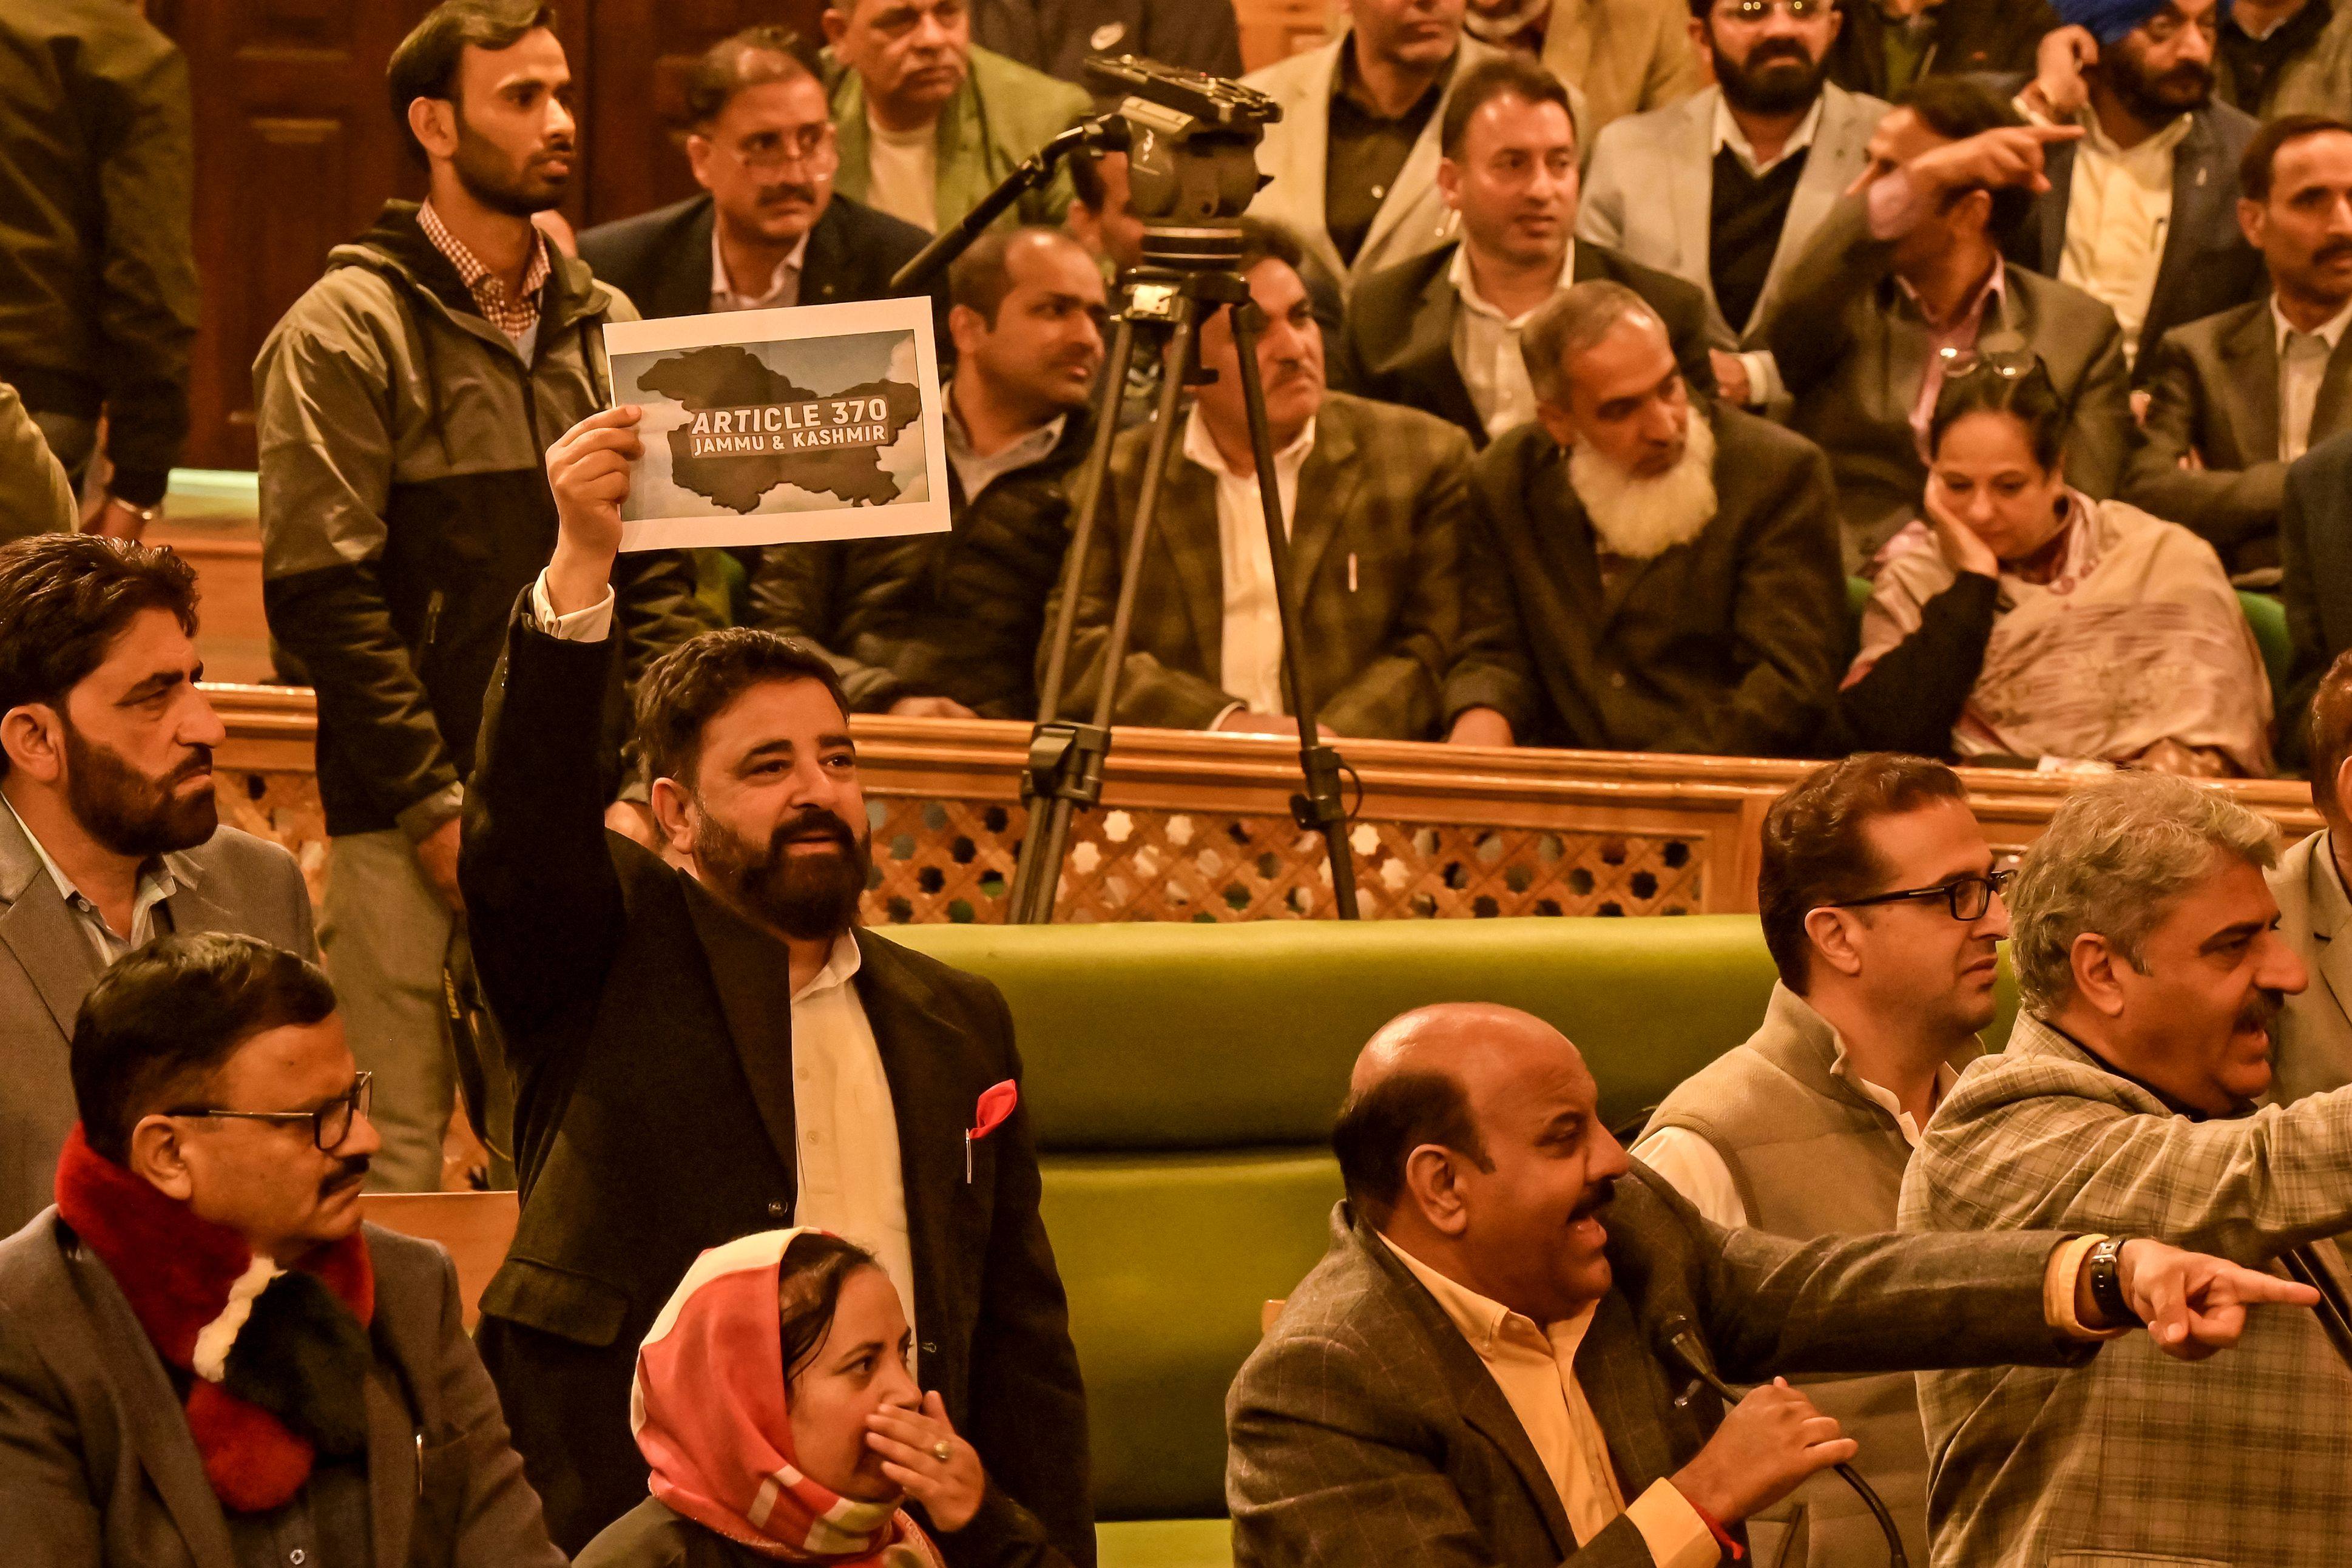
(649,1028)
(1965,38)
(1398,345)
(231,883)
(957,614)
(1730,644)
(97,1464)
(1378,566)
(2208,266)
(1365,1429)
(2315,551)
(1854,350)
(2214,388)
(661,260)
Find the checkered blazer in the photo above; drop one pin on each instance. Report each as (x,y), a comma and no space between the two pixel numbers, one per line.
(1377,542)
(2246,1458)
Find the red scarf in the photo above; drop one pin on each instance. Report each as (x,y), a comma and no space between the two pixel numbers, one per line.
(277,1360)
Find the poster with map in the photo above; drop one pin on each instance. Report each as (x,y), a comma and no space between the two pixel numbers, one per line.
(781,426)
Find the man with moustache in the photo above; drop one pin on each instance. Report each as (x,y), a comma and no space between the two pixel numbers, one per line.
(1441,332)
(1399,634)
(2151,971)
(1881,908)
(2142,214)
(1673,568)
(946,625)
(1482,1368)
(111,834)
(769,230)
(403,406)
(705,1044)
(2237,398)
(207,1358)
(1724,188)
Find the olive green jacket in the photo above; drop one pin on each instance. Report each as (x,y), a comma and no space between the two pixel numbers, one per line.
(1003,112)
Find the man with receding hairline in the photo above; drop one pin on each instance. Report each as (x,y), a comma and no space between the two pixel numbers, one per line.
(1473,1373)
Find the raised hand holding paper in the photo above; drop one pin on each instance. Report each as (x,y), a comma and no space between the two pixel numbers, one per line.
(781,426)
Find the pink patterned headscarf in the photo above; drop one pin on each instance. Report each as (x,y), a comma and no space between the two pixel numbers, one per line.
(712,1416)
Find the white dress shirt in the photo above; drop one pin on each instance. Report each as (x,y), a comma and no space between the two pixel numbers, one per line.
(1693,1167)
(846,1123)
(1764,384)
(2302,364)
(1536,1369)
(156,884)
(783,288)
(2119,212)
(1250,659)
(1486,347)
(903,173)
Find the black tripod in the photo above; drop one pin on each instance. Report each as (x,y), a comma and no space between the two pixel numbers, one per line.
(1188,274)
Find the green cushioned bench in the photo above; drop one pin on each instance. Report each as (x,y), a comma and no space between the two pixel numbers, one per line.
(1182,1079)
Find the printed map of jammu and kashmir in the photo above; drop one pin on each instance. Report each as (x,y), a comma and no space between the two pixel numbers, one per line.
(750,429)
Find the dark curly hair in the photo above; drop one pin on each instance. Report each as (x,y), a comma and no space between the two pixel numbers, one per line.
(693,684)
(64,600)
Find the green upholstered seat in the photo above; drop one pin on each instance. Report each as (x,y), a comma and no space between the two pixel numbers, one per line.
(2267,618)
(1165,1543)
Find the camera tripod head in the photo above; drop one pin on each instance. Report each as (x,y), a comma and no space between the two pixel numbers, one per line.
(1191,158)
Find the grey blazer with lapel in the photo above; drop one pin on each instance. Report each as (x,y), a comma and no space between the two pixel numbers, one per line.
(2312,1043)
(232,882)
(97,1465)
(2213,389)
(1652,180)
(1365,1429)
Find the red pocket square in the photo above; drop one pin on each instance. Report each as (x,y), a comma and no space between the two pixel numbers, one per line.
(996,1104)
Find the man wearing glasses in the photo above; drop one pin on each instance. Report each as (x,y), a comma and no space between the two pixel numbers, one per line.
(770,230)
(207,1358)
(1881,908)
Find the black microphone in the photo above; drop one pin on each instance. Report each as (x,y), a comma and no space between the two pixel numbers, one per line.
(1678,1341)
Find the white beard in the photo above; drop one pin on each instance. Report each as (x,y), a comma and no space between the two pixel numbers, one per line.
(1643,518)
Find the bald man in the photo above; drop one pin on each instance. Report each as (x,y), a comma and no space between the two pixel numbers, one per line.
(1475,1371)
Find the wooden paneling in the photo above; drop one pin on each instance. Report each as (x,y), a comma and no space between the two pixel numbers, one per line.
(1274,30)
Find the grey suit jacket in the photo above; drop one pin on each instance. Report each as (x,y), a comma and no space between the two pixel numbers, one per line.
(98,1468)
(2311,1045)
(234,882)
(2214,390)
(1652,178)
(1364,1429)
(1854,350)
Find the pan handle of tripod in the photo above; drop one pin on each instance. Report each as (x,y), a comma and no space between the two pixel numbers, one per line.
(1103,133)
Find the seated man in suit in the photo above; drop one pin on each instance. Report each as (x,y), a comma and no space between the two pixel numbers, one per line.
(2237,397)
(2150,970)
(1905,278)
(929,124)
(1724,188)
(2312,1050)
(2141,214)
(1375,499)
(706,1045)
(208,1358)
(110,833)
(946,625)
(2316,552)
(1674,567)
(1441,332)
(770,230)
(1484,1367)
(1881,909)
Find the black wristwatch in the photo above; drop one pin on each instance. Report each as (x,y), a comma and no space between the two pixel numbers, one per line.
(2107,1284)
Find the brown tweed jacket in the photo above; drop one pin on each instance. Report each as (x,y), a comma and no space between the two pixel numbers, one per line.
(1377,563)
(1365,1430)
(2137,1458)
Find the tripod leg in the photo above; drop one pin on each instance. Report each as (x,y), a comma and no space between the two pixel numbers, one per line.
(1318,764)
(1093,481)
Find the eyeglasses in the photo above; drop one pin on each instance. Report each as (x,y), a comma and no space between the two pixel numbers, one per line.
(330,1123)
(2008,364)
(810,146)
(1753,12)
(1970,897)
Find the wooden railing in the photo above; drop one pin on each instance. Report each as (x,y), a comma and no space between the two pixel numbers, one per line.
(1197,826)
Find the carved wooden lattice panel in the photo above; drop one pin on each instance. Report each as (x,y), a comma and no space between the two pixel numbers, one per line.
(283,808)
(951,859)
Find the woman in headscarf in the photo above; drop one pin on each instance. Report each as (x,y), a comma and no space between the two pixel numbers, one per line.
(774,1405)
(2028,624)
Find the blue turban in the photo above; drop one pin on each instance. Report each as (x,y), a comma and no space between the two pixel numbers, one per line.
(2108,20)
